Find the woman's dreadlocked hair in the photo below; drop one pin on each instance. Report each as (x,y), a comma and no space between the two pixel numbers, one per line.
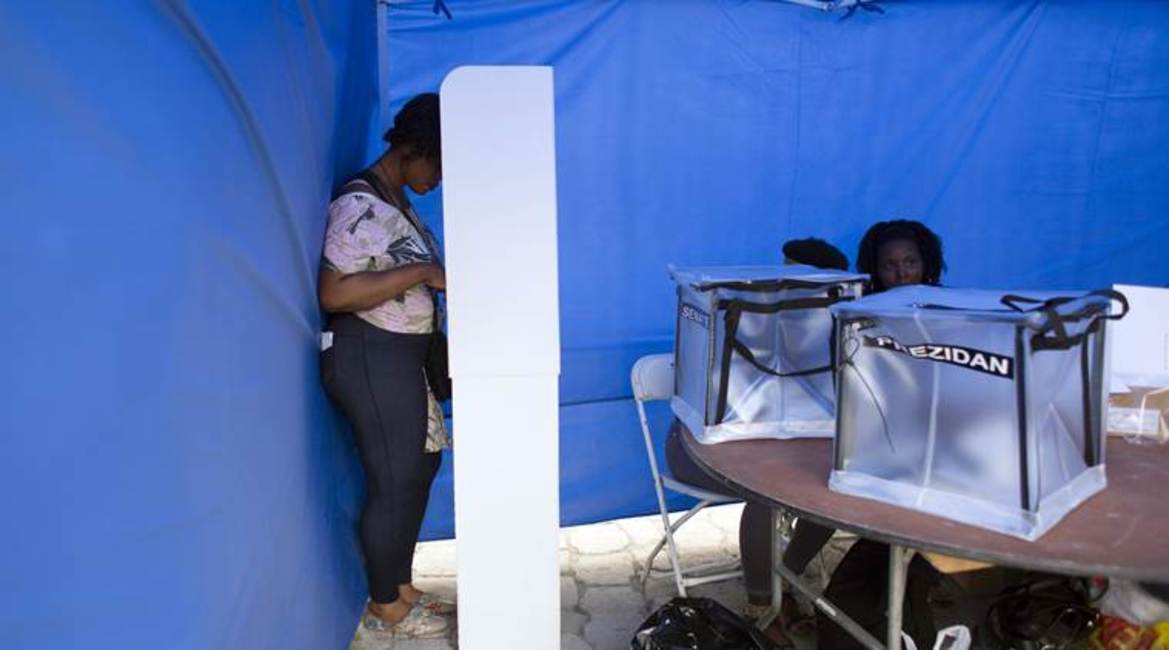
(882,232)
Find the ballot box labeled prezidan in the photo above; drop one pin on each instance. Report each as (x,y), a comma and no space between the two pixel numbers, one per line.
(983,407)
(753,351)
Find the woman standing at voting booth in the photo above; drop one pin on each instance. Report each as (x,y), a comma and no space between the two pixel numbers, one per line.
(755,548)
(379,272)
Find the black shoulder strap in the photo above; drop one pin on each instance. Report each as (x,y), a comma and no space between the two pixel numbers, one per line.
(359,184)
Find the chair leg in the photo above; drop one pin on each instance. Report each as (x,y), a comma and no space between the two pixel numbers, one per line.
(672,547)
(823,568)
(649,563)
(653,554)
(703,574)
(667,540)
(689,513)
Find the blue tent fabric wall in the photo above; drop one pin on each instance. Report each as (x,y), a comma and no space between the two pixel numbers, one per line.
(1031,135)
(172,475)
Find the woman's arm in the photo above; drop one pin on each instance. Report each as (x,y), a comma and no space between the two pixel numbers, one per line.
(348,292)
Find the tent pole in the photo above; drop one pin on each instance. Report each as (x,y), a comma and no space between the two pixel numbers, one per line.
(383,64)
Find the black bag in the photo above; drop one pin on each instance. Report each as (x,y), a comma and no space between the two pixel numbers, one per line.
(859,588)
(438,373)
(697,624)
(1052,612)
(437,365)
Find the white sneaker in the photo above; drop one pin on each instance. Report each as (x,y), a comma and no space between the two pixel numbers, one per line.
(420,623)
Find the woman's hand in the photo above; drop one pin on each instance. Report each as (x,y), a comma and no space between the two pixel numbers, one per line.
(348,292)
(436,279)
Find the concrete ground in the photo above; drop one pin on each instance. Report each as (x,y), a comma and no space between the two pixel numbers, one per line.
(601,598)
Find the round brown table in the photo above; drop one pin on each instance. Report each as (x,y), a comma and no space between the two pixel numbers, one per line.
(1121,532)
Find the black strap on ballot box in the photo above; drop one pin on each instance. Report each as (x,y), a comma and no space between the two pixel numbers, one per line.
(735,308)
(1054,336)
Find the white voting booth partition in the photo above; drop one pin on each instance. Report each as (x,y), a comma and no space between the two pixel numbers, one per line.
(499,211)
(1140,342)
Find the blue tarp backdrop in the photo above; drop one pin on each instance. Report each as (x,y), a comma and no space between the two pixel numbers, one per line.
(1032,136)
(171,471)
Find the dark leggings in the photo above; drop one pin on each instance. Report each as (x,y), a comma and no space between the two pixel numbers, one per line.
(755,548)
(807,539)
(754,536)
(376,380)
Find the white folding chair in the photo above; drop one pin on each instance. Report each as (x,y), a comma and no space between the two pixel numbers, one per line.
(653,379)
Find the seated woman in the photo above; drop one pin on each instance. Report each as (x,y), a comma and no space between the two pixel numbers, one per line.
(893,253)
(755,548)
(900,252)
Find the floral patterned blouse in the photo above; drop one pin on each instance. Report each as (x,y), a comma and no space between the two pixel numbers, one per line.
(366,233)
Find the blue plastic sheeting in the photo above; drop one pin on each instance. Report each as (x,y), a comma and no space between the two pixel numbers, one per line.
(1033,136)
(171,475)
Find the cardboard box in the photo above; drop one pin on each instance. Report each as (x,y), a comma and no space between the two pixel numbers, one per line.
(1140,414)
(949,564)
(1139,342)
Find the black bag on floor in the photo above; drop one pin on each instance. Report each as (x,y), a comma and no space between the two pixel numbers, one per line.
(859,588)
(697,624)
(1049,612)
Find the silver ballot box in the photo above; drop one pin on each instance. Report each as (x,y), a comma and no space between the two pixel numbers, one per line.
(976,406)
(753,351)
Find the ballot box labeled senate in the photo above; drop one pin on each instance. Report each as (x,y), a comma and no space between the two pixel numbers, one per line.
(753,351)
(984,407)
